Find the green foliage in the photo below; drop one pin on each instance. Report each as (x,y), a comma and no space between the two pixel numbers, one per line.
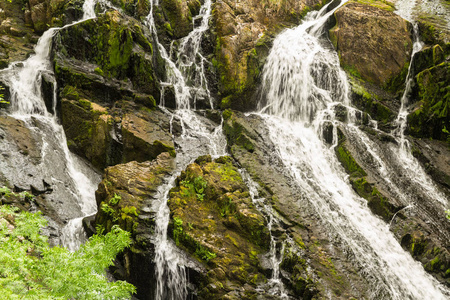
(114,200)
(30,269)
(2,99)
(5,191)
(204,254)
(200,186)
(177,230)
(197,188)
(448,214)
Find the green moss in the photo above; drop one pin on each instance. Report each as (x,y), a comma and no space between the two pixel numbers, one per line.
(98,71)
(432,114)
(236,135)
(70,92)
(346,159)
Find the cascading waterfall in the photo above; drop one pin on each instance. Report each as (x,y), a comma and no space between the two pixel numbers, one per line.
(298,103)
(198,137)
(274,286)
(24,80)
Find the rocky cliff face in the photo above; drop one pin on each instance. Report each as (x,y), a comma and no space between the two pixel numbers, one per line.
(108,73)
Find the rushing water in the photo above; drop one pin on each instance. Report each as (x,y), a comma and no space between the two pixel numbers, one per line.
(27,103)
(199,136)
(296,100)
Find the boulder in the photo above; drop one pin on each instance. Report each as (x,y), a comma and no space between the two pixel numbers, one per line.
(125,197)
(382,54)
(214,220)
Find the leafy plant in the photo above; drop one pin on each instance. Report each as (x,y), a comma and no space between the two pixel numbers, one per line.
(31,269)
(114,200)
(177,230)
(204,253)
(448,214)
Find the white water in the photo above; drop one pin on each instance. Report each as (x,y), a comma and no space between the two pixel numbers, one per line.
(274,286)
(27,103)
(296,103)
(198,137)
(415,170)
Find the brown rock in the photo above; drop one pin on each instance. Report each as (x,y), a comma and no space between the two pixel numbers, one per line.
(373,43)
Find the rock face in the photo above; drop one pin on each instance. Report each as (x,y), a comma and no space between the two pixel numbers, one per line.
(244,31)
(245,135)
(16,39)
(106,72)
(383,49)
(125,197)
(213,219)
(42,14)
(431,115)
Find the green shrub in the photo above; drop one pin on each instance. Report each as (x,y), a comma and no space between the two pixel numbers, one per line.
(31,269)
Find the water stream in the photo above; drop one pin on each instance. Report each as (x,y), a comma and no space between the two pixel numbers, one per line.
(24,80)
(297,104)
(199,136)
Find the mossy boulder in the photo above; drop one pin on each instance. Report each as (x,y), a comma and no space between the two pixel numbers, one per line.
(243,35)
(87,126)
(125,197)
(431,115)
(113,49)
(213,218)
(382,54)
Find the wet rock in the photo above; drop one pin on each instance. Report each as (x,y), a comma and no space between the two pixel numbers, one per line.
(146,135)
(306,257)
(125,197)
(431,115)
(47,90)
(417,220)
(244,31)
(214,220)
(384,46)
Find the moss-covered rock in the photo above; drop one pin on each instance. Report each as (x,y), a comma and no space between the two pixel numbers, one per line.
(431,115)
(124,197)
(114,47)
(87,126)
(145,135)
(213,219)
(384,46)
(239,61)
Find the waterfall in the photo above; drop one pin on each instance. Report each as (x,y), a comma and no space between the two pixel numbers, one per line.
(275,256)
(198,137)
(296,103)
(27,103)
